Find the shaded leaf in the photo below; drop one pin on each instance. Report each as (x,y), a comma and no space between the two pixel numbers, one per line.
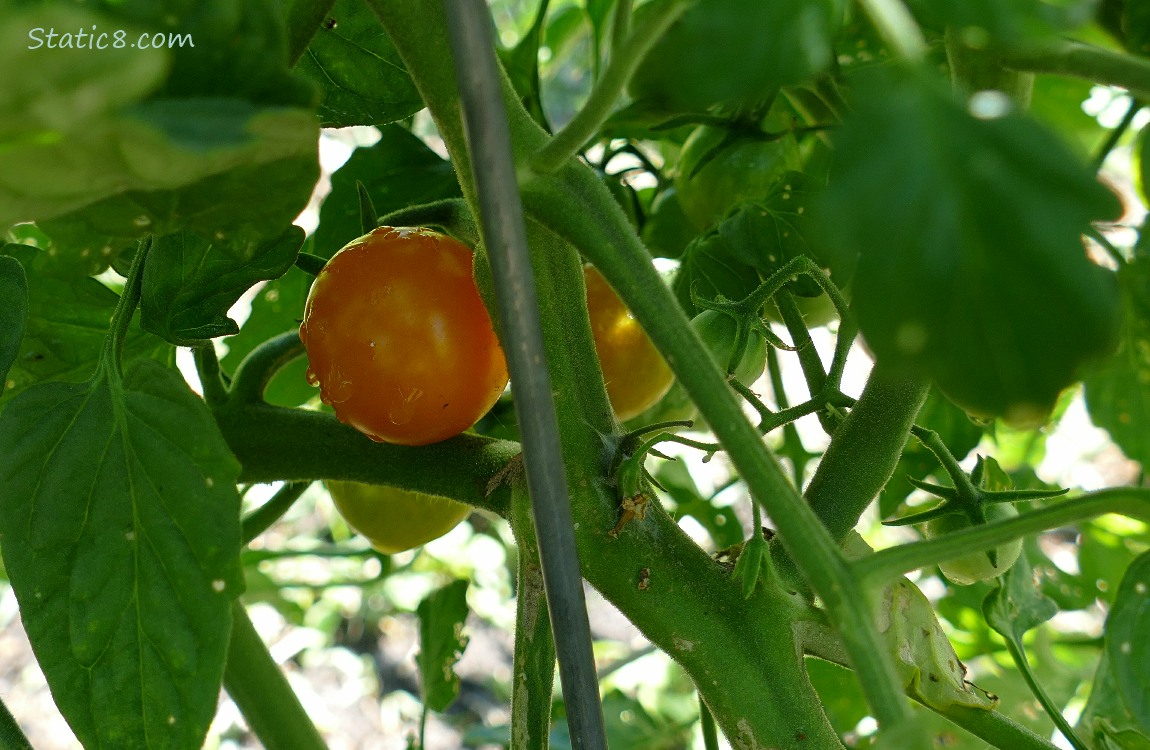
(1000,307)
(721,523)
(352,60)
(736,50)
(120,526)
(1118,389)
(1004,20)
(13,313)
(441,617)
(1127,649)
(67,322)
(190,283)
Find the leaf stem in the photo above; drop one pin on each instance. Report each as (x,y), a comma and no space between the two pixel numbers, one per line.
(262,518)
(1116,134)
(897,27)
(126,309)
(262,693)
(595,111)
(1055,714)
(11,736)
(257,369)
(895,561)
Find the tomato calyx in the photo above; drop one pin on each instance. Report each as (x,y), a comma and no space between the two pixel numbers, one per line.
(984,496)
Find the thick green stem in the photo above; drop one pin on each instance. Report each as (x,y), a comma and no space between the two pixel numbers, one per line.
(877,428)
(260,689)
(995,728)
(878,568)
(1078,60)
(275,444)
(257,369)
(975,70)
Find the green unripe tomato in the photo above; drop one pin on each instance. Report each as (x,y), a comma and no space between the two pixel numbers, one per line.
(744,169)
(976,567)
(395,520)
(717,330)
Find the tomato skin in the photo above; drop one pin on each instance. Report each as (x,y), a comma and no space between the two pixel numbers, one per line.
(398,338)
(718,332)
(395,520)
(747,168)
(964,571)
(635,373)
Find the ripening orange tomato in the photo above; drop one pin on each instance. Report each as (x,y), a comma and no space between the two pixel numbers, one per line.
(635,373)
(398,338)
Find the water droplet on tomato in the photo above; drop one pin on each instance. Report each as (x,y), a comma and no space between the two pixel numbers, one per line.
(312,378)
(403,409)
(337,386)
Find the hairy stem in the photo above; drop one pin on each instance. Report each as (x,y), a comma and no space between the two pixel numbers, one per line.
(877,427)
(260,689)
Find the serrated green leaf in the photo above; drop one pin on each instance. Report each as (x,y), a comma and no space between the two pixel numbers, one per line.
(1127,649)
(67,321)
(190,282)
(119,521)
(13,313)
(398,172)
(352,60)
(971,269)
(441,617)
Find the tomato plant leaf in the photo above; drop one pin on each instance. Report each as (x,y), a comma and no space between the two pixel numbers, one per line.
(999,307)
(1118,389)
(924,658)
(190,282)
(398,172)
(709,269)
(721,523)
(13,313)
(1105,719)
(736,50)
(769,232)
(441,617)
(66,325)
(1136,24)
(86,127)
(1127,649)
(353,62)
(120,521)
(1017,605)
